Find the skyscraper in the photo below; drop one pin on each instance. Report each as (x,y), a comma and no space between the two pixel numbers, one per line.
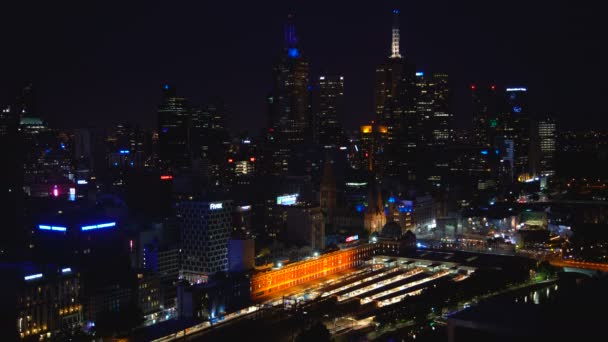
(327,128)
(515,125)
(174,120)
(289,104)
(485,114)
(435,119)
(395,106)
(547,137)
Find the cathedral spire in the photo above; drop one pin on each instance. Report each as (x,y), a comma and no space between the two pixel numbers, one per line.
(395,53)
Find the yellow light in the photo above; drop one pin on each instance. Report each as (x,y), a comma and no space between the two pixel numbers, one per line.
(366,129)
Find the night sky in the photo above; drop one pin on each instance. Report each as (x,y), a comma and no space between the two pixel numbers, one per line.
(105,63)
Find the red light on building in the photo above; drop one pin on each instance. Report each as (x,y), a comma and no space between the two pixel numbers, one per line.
(366,154)
(473,87)
(230,160)
(493,87)
(166,177)
(252,159)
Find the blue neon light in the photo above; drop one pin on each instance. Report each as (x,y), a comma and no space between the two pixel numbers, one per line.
(33,276)
(124,151)
(62,146)
(293,52)
(420,73)
(66,270)
(497,151)
(166,87)
(516,89)
(405,209)
(396,11)
(82,182)
(165,130)
(484,152)
(98,226)
(391,199)
(360,208)
(54,228)
(517,109)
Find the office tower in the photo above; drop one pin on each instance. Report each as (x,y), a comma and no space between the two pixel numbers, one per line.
(173,129)
(547,138)
(395,107)
(40,301)
(289,110)
(516,125)
(306,226)
(290,91)
(327,129)
(373,139)
(435,120)
(204,231)
(485,103)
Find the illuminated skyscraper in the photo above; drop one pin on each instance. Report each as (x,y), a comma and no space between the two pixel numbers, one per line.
(514,124)
(289,104)
(395,107)
(547,137)
(435,119)
(174,119)
(327,128)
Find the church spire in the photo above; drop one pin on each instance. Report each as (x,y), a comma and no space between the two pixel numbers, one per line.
(395,53)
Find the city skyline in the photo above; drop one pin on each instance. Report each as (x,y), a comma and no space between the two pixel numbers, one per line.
(103,75)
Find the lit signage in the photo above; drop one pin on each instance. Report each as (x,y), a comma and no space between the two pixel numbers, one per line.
(66,270)
(123,151)
(53,228)
(352,238)
(343,148)
(166,177)
(72,194)
(33,276)
(215,206)
(517,89)
(287,199)
(420,73)
(246,141)
(98,226)
(484,152)
(245,207)
(81,182)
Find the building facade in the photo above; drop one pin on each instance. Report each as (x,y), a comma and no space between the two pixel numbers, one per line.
(204,231)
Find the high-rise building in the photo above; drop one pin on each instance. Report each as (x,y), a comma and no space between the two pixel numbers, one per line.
(516,125)
(435,118)
(485,114)
(547,138)
(373,138)
(205,228)
(327,128)
(174,120)
(395,107)
(290,119)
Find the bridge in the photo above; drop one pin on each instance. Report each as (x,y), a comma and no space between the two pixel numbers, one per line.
(589,268)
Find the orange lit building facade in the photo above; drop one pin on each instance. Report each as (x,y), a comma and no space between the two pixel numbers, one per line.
(267,283)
